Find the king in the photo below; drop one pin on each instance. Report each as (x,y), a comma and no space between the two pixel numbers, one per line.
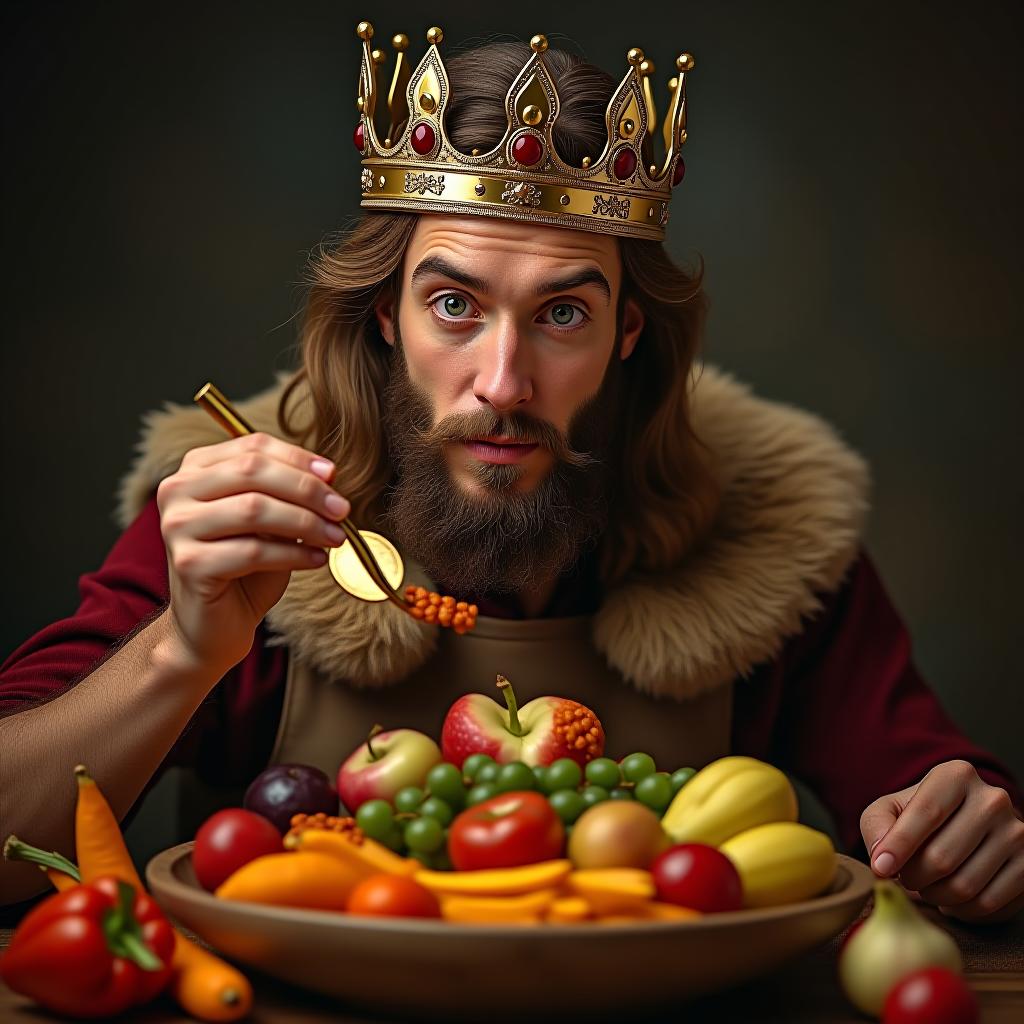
(499,371)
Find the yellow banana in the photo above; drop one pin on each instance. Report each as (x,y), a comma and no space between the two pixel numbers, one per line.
(528,908)
(496,881)
(727,797)
(781,862)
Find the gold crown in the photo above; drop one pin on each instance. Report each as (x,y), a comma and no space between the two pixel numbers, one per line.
(625,191)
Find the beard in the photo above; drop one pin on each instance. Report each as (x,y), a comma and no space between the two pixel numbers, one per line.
(499,539)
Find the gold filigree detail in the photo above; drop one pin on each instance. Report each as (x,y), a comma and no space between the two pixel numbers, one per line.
(423,183)
(366,179)
(521,193)
(612,206)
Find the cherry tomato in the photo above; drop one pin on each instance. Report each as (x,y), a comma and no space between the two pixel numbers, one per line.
(229,839)
(697,876)
(393,896)
(506,831)
(934,995)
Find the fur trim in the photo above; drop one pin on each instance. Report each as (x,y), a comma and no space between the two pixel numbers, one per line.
(794,499)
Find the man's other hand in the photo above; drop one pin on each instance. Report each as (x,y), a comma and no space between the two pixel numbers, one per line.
(955,840)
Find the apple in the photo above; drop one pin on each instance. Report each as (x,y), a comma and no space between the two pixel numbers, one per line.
(384,764)
(539,732)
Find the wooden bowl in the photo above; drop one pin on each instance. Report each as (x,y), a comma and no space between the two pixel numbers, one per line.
(454,970)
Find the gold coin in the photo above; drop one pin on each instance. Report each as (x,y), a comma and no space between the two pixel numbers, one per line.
(350,574)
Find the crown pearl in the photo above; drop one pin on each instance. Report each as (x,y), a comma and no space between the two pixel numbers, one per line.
(653,170)
(646,67)
(634,55)
(628,126)
(539,43)
(364,30)
(400,42)
(682,136)
(586,161)
(532,115)
(428,103)
(684,62)
(360,104)
(434,35)
(378,56)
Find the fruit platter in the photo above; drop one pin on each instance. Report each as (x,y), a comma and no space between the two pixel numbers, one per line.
(515,842)
(512,857)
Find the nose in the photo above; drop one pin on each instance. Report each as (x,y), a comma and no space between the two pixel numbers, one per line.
(504,377)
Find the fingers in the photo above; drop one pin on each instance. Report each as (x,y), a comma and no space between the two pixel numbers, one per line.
(935,799)
(879,817)
(948,849)
(242,556)
(262,444)
(1000,900)
(251,513)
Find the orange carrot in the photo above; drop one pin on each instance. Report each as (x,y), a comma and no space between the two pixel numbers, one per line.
(204,985)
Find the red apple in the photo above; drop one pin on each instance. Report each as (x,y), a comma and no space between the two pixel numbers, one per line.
(539,732)
(384,764)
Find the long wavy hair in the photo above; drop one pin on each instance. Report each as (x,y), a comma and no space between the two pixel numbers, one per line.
(666,495)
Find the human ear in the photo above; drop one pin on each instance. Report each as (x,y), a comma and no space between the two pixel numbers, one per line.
(632,325)
(385,313)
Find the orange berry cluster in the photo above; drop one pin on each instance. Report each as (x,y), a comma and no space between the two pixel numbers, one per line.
(327,823)
(431,607)
(578,727)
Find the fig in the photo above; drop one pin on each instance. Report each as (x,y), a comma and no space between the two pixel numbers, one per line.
(617,834)
(284,790)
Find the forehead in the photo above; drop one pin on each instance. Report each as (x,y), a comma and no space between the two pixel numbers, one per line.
(509,250)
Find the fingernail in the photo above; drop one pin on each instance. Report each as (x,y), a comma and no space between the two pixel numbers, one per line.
(336,505)
(335,534)
(884,863)
(322,467)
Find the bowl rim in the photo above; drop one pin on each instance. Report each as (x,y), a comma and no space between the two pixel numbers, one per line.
(856,887)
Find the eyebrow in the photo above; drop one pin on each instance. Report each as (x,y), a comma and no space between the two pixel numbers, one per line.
(439,265)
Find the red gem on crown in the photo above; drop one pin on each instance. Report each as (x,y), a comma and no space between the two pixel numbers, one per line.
(423,139)
(625,163)
(527,150)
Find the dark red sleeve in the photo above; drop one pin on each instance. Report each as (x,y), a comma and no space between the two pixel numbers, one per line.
(230,736)
(845,710)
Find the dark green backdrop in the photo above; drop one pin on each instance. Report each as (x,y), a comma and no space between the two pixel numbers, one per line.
(853,184)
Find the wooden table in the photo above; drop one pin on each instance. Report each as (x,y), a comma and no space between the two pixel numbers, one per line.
(804,990)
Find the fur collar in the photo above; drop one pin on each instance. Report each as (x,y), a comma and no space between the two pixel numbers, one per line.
(792,512)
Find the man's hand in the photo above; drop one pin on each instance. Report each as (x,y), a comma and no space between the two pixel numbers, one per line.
(953,839)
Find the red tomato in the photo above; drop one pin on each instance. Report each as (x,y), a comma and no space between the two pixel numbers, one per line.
(393,896)
(506,831)
(697,876)
(934,995)
(229,839)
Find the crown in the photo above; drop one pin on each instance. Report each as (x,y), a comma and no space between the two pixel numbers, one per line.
(624,191)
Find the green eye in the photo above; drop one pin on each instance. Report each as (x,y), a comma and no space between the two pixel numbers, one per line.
(562,314)
(455,305)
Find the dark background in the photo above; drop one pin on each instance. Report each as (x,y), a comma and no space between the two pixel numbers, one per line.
(853,184)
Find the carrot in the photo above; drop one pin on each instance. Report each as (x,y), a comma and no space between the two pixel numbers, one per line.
(204,985)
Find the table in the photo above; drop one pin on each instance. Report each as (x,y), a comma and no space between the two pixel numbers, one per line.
(804,990)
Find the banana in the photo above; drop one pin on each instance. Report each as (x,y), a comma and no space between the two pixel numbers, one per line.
(727,797)
(612,890)
(496,881)
(781,862)
(529,908)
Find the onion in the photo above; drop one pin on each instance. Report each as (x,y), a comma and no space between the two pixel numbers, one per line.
(894,941)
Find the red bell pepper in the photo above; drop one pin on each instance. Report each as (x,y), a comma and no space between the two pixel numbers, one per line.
(91,951)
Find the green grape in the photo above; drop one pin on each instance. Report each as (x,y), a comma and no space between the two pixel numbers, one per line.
(426,859)
(603,772)
(424,834)
(438,809)
(540,773)
(445,781)
(480,792)
(564,773)
(681,776)
(473,763)
(514,775)
(408,799)
(655,791)
(567,804)
(487,772)
(637,767)
(593,795)
(620,794)
(376,819)
(394,840)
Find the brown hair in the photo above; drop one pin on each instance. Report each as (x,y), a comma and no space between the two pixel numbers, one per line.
(666,495)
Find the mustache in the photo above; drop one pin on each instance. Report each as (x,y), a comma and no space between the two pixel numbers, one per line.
(517,427)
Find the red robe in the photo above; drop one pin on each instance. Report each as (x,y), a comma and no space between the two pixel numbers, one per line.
(842,708)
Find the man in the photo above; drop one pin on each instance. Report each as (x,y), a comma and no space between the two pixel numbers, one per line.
(498,373)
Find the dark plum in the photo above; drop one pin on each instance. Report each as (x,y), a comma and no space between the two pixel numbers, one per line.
(284,790)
